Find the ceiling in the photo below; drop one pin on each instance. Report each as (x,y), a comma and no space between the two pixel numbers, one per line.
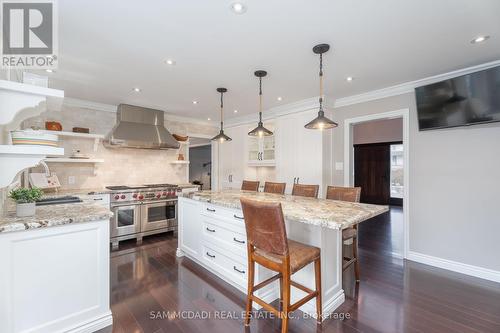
(106,48)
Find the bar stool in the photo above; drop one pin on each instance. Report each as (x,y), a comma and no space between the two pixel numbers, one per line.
(351,194)
(302,190)
(277,188)
(249,185)
(267,245)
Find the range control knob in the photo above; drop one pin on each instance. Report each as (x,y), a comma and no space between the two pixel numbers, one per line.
(117,197)
(141,197)
(164,194)
(134,195)
(158,195)
(122,196)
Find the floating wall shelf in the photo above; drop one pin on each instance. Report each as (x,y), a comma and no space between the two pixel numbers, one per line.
(73,160)
(96,137)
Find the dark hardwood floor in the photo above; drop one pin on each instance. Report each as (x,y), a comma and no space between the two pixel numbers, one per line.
(393,295)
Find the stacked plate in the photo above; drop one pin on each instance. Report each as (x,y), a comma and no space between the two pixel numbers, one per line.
(32,137)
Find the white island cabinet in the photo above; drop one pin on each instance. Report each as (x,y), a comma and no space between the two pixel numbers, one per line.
(55,278)
(215,237)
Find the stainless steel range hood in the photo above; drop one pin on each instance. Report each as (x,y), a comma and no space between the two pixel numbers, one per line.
(138,127)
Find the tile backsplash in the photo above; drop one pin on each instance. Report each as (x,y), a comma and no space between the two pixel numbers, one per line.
(121,165)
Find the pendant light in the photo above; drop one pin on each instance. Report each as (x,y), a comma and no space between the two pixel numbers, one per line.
(221,137)
(260,130)
(321,122)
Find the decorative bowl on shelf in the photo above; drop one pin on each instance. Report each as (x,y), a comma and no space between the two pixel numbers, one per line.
(180,137)
(53,126)
(32,137)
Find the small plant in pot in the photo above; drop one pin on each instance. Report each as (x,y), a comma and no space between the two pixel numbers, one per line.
(25,199)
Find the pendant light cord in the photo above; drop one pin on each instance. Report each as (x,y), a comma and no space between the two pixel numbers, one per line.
(321,82)
(260,99)
(221,110)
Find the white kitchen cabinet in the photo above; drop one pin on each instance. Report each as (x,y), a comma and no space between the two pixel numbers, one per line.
(189,233)
(233,160)
(300,152)
(261,151)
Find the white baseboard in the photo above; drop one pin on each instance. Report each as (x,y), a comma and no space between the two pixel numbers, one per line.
(93,325)
(480,272)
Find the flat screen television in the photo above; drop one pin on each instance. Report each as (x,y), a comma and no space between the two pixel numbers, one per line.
(465,100)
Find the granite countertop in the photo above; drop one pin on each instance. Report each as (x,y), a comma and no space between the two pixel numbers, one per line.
(54,215)
(331,214)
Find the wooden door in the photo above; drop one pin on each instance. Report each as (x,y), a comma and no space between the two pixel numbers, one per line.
(372,172)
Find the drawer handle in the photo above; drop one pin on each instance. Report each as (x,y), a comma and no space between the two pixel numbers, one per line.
(238,217)
(211,210)
(97,199)
(210,255)
(236,269)
(211,230)
(238,241)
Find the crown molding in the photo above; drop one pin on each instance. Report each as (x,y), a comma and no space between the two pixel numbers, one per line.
(278,111)
(409,87)
(80,103)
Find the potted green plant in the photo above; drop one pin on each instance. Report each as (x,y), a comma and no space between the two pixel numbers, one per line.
(25,200)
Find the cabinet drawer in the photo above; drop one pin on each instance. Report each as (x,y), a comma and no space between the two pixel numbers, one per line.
(227,239)
(226,265)
(101,199)
(226,213)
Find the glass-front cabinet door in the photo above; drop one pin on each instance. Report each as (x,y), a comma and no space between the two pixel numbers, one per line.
(261,151)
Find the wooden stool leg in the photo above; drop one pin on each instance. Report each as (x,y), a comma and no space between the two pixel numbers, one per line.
(355,255)
(319,306)
(281,293)
(251,268)
(286,302)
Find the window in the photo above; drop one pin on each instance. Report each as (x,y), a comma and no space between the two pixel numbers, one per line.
(397,181)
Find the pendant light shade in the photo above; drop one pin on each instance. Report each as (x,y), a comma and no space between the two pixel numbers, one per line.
(321,122)
(260,130)
(221,137)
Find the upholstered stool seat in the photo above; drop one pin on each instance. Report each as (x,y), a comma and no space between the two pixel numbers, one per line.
(300,255)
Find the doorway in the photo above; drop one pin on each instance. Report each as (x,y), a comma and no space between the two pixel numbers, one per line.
(200,162)
(378,162)
(378,170)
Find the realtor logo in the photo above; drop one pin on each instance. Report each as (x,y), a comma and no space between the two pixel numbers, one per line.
(29,34)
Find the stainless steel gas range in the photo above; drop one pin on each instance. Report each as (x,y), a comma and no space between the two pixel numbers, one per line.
(142,210)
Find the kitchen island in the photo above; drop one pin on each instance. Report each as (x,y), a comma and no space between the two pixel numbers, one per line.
(212,233)
(54,275)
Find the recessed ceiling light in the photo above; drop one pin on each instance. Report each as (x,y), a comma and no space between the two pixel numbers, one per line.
(49,70)
(238,8)
(279,98)
(349,79)
(235,111)
(137,89)
(209,119)
(170,62)
(195,102)
(479,39)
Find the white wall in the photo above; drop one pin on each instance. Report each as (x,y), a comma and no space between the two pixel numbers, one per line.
(386,130)
(454,185)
